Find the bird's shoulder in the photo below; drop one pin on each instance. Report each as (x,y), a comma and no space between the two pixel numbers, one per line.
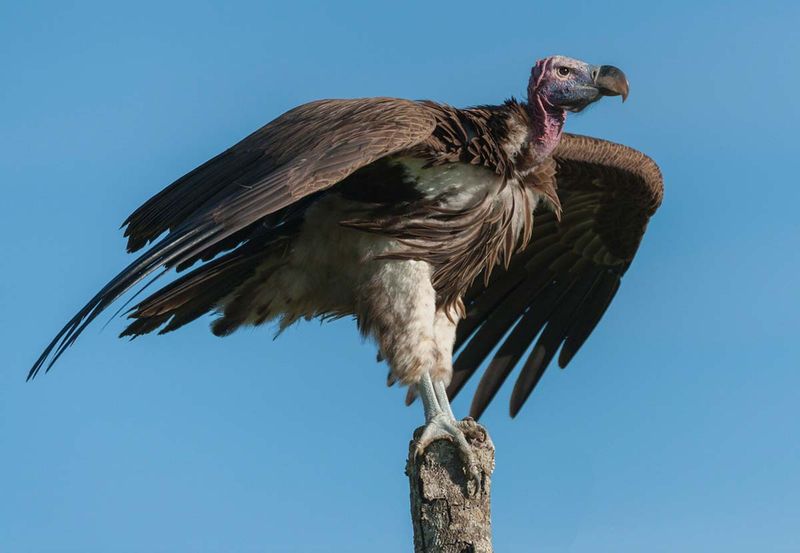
(491,136)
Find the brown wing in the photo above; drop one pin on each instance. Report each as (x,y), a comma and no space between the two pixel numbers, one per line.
(305,150)
(560,286)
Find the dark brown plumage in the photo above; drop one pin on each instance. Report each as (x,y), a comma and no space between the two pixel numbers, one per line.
(460,191)
(251,184)
(563,282)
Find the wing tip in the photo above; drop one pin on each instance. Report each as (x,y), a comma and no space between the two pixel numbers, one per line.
(57,346)
(45,361)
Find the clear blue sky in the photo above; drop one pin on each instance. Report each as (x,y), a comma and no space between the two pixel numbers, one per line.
(676,427)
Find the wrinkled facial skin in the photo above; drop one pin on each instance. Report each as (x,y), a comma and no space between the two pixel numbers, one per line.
(572,84)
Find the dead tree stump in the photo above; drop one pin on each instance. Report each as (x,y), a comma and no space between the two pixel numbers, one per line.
(449,514)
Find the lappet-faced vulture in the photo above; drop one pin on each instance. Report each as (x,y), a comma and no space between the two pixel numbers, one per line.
(398,213)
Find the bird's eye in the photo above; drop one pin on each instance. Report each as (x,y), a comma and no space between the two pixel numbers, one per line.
(563,71)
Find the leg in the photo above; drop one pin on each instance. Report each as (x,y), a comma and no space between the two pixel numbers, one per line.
(441,397)
(444,333)
(430,400)
(441,425)
(398,307)
(444,330)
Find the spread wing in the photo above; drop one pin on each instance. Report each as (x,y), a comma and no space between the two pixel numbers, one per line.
(560,286)
(305,150)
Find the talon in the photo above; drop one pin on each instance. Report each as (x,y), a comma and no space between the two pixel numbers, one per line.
(441,424)
(441,427)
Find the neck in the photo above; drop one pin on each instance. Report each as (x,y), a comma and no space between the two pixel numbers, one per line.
(546,124)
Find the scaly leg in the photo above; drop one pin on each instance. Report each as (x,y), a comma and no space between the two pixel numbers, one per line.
(441,424)
(441,397)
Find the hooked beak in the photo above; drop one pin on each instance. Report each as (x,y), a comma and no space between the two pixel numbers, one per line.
(610,81)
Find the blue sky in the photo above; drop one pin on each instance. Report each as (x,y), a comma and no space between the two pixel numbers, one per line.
(674,429)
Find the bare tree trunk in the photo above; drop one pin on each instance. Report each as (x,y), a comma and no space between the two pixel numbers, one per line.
(449,514)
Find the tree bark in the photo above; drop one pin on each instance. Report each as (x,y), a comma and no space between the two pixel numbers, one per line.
(450,514)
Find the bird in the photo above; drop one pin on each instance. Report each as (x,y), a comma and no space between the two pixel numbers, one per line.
(441,230)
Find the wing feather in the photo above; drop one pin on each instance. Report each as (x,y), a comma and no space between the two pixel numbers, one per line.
(560,286)
(304,151)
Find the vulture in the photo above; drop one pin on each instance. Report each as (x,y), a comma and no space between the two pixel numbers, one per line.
(438,229)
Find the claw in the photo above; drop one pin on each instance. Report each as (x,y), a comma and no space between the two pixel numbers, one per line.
(441,427)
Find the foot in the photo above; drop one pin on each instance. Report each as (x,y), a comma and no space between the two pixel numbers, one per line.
(444,427)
